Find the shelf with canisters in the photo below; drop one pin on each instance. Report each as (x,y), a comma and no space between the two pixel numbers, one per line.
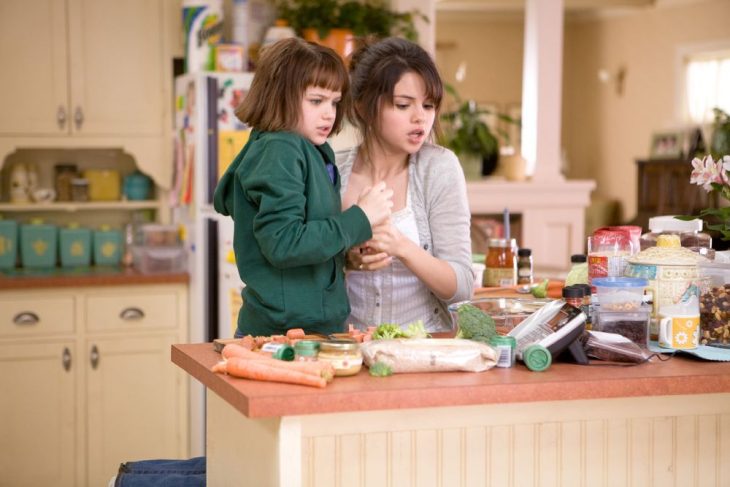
(73,206)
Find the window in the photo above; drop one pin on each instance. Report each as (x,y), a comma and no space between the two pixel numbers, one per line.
(707,82)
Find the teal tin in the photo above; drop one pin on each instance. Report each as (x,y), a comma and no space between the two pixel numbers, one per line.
(8,243)
(38,244)
(137,186)
(107,246)
(75,246)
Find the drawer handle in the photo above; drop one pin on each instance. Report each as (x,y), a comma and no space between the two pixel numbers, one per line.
(94,357)
(26,318)
(131,314)
(66,359)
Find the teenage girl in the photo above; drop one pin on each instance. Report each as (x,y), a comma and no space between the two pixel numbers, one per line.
(282,191)
(419,260)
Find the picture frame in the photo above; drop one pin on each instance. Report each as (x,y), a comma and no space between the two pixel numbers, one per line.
(667,145)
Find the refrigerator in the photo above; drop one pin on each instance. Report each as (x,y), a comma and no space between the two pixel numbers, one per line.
(207,137)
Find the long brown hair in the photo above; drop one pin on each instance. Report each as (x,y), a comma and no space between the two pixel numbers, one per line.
(375,69)
(284,72)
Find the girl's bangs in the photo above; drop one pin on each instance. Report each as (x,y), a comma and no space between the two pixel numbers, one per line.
(329,76)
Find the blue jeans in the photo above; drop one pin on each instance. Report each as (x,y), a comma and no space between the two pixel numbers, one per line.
(162,473)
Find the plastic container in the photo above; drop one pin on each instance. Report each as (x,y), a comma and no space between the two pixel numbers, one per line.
(151,260)
(633,325)
(38,244)
(75,246)
(620,293)
(608,252)
(306,350)
(104,184)
(8,243)
(344,355)
(506,348)
(155,235)
(108,245)
(578,273)
(690,234)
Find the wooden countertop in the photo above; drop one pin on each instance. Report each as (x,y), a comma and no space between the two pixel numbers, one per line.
(517,384)
(76,277)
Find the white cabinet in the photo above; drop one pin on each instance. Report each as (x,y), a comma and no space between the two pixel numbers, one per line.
(88,382)
(89,73)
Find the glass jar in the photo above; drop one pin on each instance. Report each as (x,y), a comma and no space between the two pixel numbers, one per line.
(344,355)
(501,264)
(306,350)
(573,295)
(79,189)
(524,266)
(64,173)
(690,234)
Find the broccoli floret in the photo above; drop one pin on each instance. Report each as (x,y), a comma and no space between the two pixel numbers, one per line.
(388,331)
(540,291)
(475,324)
(380,369)
(416,330)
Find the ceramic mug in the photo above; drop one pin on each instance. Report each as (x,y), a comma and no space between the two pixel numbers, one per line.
(679,331)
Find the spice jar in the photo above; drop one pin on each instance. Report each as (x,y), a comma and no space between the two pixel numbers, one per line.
(573,295)
(306,350)
(501,265)
(506,348)
(64,174)
(79,189)
(524,266)
(344,355)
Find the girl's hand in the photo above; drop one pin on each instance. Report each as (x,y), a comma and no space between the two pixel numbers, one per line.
(364,258)
(387,238)
(376,202)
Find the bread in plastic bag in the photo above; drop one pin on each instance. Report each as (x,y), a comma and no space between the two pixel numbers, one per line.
(430,355)
(613,347)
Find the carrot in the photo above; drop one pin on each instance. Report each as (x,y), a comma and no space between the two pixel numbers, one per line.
(319,369)
(248,342)
(279,339)
(294,333)
(263,370)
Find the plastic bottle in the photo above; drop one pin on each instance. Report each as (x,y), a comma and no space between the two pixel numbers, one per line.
(524,266)
(280,30)
(578,273)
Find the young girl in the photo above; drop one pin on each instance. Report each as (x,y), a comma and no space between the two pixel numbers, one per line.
(418,261)
(282,191)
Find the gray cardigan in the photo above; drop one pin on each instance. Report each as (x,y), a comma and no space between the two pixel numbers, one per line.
(437,190)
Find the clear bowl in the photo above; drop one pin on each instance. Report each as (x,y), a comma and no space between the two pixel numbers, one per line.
(506,312)
(620,293)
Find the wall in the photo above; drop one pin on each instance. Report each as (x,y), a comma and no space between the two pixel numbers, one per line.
(603,133)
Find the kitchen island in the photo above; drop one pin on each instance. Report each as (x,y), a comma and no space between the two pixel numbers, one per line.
(660,423)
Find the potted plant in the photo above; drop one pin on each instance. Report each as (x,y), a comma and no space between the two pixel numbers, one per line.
(468,135)
(335,23)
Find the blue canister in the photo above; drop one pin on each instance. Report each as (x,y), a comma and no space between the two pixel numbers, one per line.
(75,246)
(137,186)
(38,244)
(107,246)
(8,243)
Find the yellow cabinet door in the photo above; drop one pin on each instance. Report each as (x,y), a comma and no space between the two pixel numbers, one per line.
(82,67)
(135,403)
(38,428)
(34,73)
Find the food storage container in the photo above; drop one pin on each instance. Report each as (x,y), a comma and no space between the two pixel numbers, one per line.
(620,293)
(38,244)
(506,312)
(75,246)
(137,186)
(107,246)
(344,355)
(715,316)
(8,243)
(690,234)
(152,259)
(156,235)
(104,184)
(633,325)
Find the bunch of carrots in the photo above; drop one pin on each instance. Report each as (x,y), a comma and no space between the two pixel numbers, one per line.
(240,361)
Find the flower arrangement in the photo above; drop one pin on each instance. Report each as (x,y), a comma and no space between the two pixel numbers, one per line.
(714,175)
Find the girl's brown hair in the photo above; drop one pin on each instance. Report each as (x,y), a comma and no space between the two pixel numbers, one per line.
(375,69)
(284,72)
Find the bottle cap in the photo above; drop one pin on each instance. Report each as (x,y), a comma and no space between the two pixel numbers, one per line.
(502,340)
(524,252)
(537,358)
(306,348)
(577,258)
(284,352)
(574,291)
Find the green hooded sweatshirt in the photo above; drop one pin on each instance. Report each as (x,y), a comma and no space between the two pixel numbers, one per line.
(290,234)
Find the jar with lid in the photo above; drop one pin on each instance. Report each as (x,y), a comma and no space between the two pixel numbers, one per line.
(690,234)
(64,173)
(578,273)
(344,355)
(573,295)
(306,350)
(79,189)
(501,264)
(524,266)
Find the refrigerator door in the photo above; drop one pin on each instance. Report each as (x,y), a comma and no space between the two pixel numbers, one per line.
(229,281)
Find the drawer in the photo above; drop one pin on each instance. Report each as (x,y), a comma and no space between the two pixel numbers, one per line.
(23,316)
(143,311)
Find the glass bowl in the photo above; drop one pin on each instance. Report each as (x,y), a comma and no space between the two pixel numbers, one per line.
(506,312)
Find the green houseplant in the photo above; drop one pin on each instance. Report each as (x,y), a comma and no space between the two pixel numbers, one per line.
(468,135)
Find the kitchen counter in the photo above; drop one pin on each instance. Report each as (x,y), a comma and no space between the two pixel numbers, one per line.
(570,425)
(88,276)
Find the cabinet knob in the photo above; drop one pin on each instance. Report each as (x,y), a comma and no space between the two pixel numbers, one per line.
(94,357)
(61,117)
(131,314)
(66,359)
(79,118)
(26,318)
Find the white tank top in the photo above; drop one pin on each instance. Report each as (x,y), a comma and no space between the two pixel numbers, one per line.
(392,294)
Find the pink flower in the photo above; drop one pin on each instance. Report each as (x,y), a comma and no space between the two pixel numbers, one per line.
(707,171)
